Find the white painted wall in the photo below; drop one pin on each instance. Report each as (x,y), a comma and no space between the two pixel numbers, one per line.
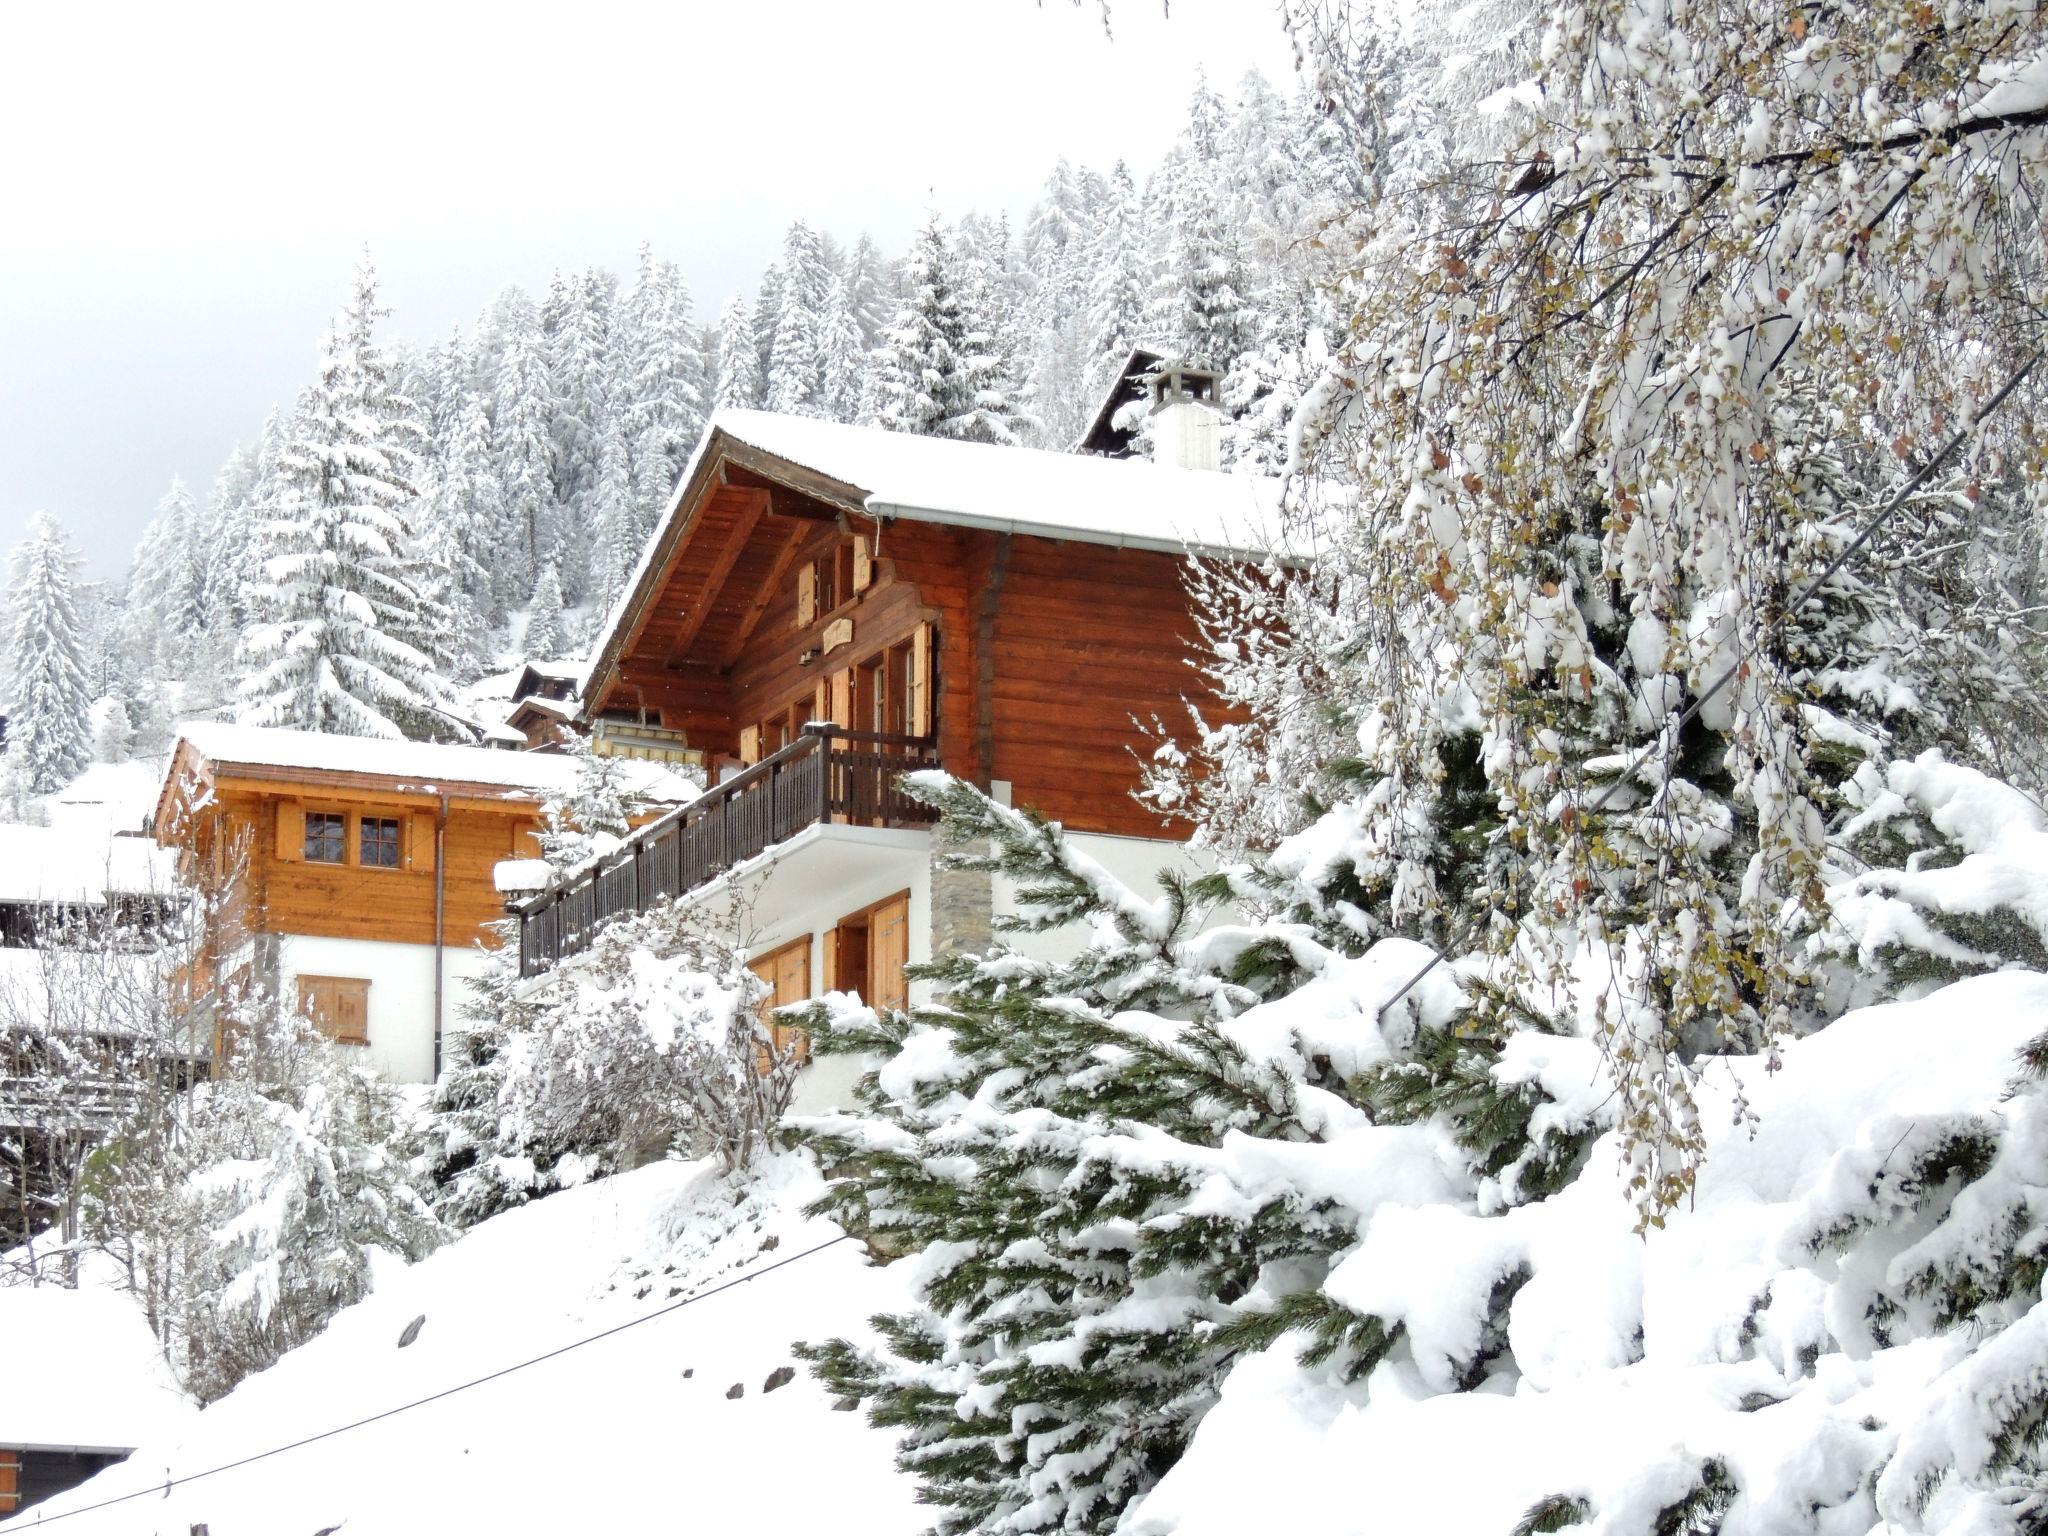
(1134,860)
(401,978)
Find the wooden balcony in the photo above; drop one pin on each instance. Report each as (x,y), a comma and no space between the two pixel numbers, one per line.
(826,775)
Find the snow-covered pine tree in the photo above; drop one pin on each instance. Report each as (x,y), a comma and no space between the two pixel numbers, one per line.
(337,618)
(167,587)
(522,416)
(48,702)
(869,291)
(666,415)
(620,517)
(795,380)
(923,363)
(1041,1137)
(113,733)
(1120,282)
(739,359)
(546,638)
(579,365)
(845,360)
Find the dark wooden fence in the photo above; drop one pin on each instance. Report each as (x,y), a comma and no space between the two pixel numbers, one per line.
(826,774)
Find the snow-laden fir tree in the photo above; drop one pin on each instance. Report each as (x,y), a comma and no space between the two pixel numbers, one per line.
(795,379)
(621,518)
(47,698)
(666,387)
(739,360)
(333,642)
(931,366)
(167,587)
(545,635)
(522,415)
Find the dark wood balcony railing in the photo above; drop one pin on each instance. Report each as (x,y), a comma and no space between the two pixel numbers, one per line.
(826,774)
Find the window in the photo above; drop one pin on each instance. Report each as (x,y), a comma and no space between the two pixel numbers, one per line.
(378,842)
(326,837)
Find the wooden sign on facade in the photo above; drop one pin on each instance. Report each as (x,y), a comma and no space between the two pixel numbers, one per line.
(839,632)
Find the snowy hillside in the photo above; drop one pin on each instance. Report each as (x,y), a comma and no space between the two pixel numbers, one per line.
(633,1433)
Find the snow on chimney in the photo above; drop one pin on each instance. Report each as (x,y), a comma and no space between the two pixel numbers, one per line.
(1185,425)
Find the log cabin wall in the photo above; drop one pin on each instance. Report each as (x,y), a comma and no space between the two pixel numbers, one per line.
(1086,638)
(348,901)
(1043,650)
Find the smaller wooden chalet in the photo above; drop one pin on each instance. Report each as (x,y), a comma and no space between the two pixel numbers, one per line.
(85,1384)
(357,876)
(825,607)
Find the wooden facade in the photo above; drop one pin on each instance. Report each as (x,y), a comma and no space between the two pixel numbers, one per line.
(773,597)
(262,828)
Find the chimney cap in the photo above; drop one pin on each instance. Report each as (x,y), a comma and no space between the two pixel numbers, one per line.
(1175,383)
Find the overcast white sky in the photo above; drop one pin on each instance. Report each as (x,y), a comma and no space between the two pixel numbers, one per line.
(183,187)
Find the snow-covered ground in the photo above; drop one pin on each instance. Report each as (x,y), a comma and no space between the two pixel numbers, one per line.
(633,1433)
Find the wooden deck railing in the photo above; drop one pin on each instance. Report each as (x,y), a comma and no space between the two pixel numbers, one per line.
(826,774)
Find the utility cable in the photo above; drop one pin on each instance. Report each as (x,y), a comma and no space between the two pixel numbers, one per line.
(164,1488)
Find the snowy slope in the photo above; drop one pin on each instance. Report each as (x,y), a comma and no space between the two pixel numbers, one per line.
(634,1433)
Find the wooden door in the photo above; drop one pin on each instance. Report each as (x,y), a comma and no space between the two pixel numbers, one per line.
(888,953)
(787,972)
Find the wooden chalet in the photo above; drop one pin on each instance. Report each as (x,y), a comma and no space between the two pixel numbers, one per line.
(357,876)
(825,606)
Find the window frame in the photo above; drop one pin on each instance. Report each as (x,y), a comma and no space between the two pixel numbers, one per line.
(342,849)
(363,823)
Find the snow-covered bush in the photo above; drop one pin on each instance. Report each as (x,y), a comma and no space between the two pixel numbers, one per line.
(289,1194)
(651,1040)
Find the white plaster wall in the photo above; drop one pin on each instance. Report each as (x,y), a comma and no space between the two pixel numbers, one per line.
(1134,860)
(401,978)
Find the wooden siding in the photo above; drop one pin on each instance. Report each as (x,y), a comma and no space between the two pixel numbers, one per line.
(347,901)
(1043,650)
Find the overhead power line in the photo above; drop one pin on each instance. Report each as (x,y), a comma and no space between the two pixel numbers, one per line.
(163,1489)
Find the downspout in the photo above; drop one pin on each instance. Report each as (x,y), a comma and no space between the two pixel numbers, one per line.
(440,918)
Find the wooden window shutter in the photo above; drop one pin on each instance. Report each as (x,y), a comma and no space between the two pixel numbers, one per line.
(919,712)
(821,701)
(339,1007)
(888,953)
(291,832)
(419,847)
(831,959)
(842,698)
(750,744)
(863,564)
(807,594)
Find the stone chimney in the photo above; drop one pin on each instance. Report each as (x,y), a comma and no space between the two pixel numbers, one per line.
(1185,423)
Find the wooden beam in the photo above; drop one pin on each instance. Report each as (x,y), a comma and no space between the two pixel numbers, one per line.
(784,558)
(714,581)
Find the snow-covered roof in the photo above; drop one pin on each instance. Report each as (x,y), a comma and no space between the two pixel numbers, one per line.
(71,865)
(1130,503)
(1123,503)
(83,1372)
(415,765)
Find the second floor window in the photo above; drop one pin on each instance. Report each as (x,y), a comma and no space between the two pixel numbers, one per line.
(326,837)
(379,842)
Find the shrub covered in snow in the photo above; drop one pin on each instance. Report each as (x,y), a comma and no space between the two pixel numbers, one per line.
(651,1040)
